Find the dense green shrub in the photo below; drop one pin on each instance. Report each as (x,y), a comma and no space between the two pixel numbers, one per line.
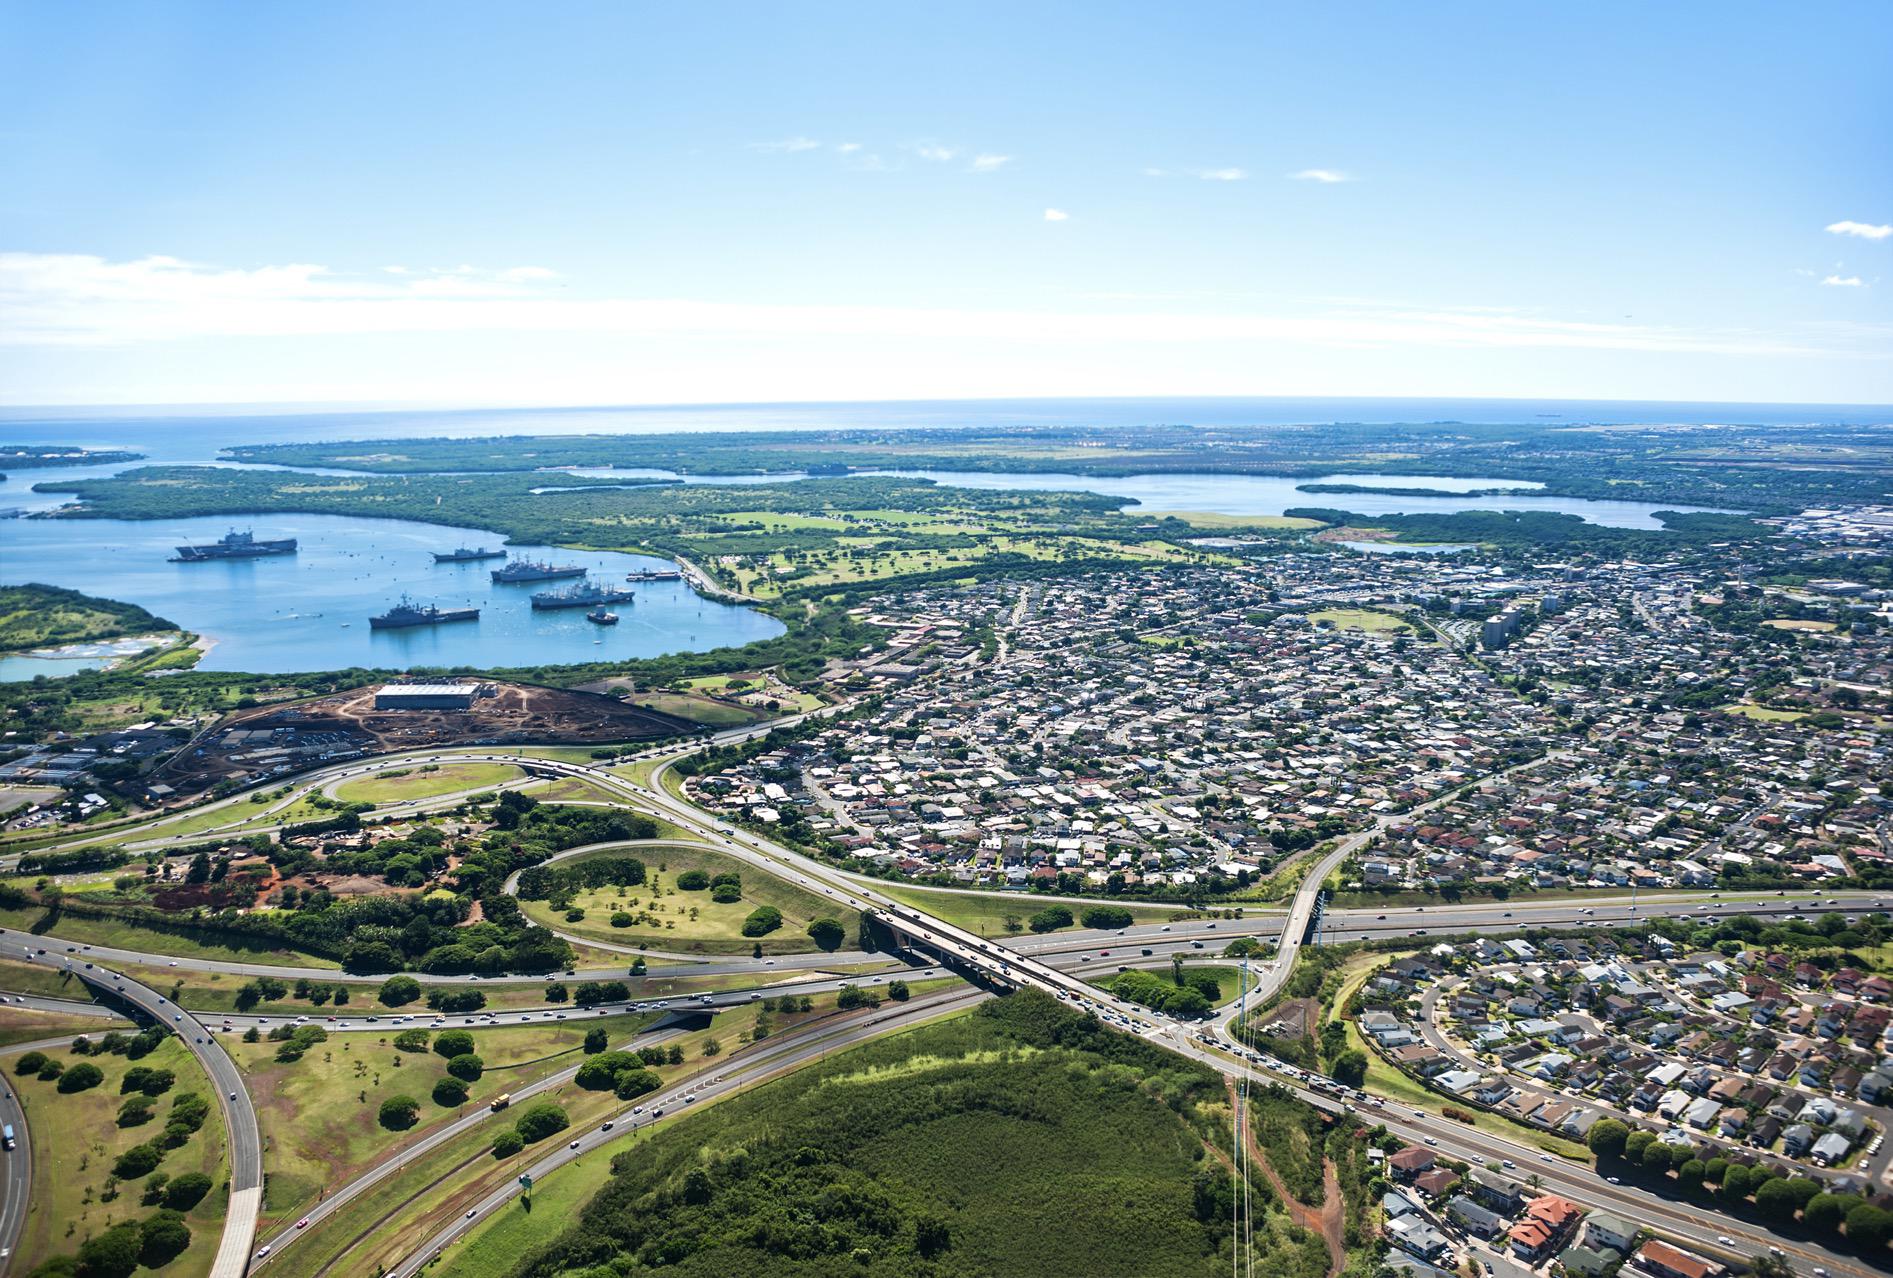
(542,1120)
(398,1113)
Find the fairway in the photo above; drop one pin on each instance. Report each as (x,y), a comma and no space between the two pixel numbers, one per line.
(667,917)
(394,786)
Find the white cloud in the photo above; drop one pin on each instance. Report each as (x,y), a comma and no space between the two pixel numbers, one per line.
(524,274)
(1057,215)
(988,163)
(935,152)
(1156,172)
(75,300)
(847,148)
(1860,230)
(1843,281)
(1222,175)
(1321,175)
(787,144)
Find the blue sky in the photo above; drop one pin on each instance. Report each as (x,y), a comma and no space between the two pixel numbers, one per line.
(471,203)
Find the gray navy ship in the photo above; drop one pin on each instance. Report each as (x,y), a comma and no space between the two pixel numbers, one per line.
(465,555)
(234,545)
(407,613)
(532,570)
(583,595)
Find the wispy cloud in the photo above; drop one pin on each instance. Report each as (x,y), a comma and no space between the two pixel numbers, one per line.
(1057,215)
(1208,175)
(1843,281)
(790,145)
(989,163)
(1328,176)
(935,152)
(1861,230)
(85,300)
(847,148)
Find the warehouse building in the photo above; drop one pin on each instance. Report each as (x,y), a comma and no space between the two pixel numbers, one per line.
(426,696)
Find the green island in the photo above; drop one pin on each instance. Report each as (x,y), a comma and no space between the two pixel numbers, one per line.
(39,616)
(47,456)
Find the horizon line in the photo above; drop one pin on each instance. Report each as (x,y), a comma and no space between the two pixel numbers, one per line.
(312,408)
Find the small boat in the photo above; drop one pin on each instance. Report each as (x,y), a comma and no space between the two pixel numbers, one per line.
(599,617)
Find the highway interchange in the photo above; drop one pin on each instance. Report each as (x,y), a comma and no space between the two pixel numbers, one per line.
(1059,964)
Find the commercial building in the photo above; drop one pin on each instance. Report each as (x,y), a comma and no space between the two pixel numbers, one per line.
(426,696)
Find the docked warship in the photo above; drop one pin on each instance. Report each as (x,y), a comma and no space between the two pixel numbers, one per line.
(407,613)
(465,555)
(532,570)
(583,595)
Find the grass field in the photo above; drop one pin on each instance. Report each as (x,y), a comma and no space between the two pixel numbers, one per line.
(987,912)
(1360,619)
(792,699)
(75,1140)
(672,919)
(395,785)
(1762,714)
(1808,625)
(568,790)
(704,710)
(320,1112)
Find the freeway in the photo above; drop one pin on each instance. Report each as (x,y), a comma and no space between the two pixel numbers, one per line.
(19,1176)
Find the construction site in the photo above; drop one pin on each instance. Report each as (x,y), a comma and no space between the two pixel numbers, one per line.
(260,744)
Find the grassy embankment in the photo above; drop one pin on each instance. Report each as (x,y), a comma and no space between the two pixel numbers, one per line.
(987,912)
(70,929)
(76,1139)
(25,1025)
